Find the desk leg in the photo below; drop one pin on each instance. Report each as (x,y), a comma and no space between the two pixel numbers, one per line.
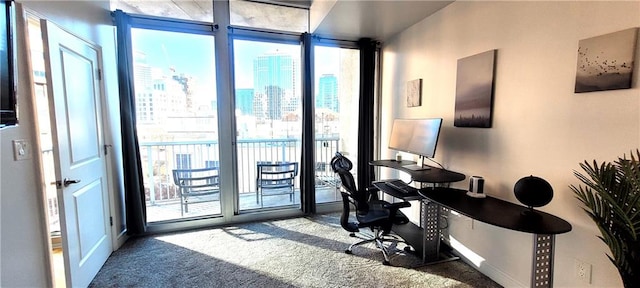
(542,269)
(431,225)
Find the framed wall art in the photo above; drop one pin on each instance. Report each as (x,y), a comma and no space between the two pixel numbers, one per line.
(474,90)
(414,93)
(606,62)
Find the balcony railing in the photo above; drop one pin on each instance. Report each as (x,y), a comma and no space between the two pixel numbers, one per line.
(159,158)
(163,198)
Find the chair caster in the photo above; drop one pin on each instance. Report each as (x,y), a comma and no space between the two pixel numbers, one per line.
(408,249)
(348,251)
(386,263)
(352,234)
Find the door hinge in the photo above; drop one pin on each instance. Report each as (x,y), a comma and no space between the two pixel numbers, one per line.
(111,220)
(100,74)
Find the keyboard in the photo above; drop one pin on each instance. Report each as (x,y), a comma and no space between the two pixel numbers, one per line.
(401,186)
(415,167)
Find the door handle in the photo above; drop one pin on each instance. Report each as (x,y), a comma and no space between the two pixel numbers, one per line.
(66,182)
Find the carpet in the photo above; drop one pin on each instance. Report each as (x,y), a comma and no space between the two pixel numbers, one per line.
(299,252)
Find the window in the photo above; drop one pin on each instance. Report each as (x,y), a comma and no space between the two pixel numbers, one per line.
(268,114)
(337,90)
(187,119)
(177,119)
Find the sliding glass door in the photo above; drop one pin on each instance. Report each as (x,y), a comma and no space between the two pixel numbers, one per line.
(248,128)
(268,123)
(337,90)
(268,98)
(176,114)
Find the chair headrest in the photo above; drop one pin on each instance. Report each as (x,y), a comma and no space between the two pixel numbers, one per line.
(340,162)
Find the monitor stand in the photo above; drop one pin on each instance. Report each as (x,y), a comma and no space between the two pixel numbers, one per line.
(416,167)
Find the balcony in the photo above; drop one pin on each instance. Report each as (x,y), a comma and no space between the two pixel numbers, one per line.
(162,195)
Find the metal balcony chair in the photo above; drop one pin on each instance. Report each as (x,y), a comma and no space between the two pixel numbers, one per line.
(275,179)
(197,186)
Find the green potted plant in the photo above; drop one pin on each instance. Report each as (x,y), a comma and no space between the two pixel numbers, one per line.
(611,197)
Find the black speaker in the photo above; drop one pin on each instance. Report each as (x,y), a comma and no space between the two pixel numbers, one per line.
(533,191)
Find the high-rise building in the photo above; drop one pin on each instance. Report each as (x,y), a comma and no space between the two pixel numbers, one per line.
(143,88)
(245,100)
(274,82)
(327,96)
(157,95)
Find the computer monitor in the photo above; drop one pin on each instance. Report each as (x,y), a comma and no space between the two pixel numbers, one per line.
(416,136)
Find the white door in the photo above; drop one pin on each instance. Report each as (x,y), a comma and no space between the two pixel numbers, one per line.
(73,73)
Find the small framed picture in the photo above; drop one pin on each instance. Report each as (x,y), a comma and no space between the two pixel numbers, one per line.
(606,62)
(414,93)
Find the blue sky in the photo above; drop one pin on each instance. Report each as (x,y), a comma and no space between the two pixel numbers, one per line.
(189,53)
(194,54)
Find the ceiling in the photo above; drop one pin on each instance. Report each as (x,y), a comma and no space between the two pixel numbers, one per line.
(200,10)
(338,19)
(376,19)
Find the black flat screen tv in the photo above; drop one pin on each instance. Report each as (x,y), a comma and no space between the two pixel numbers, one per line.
(415,136)
(8,101)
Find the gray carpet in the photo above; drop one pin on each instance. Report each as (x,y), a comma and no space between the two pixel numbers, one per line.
(301,252)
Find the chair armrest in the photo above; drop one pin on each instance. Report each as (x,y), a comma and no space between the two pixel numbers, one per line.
(372,193)
(372,189)
(395,215)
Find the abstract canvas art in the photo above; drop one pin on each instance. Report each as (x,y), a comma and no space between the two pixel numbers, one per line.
(414,93)
(474,90)
(606,62)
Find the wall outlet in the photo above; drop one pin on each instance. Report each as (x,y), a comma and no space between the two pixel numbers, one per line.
(583,271)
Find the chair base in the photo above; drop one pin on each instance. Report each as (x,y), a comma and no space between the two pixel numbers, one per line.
(379,240)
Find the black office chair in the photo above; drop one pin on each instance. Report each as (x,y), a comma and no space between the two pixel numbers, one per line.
(372,213)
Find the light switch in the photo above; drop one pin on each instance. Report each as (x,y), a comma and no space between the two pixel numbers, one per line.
(21,150)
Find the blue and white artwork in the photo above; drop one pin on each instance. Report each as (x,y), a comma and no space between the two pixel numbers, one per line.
(474,90)
(606,62)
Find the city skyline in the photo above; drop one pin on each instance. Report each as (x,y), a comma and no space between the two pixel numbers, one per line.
(174,51)
(247,53)
(175,104)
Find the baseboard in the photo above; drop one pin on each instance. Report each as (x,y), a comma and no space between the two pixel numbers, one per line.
(488,270)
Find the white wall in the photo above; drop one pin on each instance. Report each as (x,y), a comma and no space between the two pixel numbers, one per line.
(23,241)
(540,125)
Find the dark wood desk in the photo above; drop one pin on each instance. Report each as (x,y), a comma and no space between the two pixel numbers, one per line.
(426,237)
(490,210)
(543,226)
(432,175)
(496,212)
